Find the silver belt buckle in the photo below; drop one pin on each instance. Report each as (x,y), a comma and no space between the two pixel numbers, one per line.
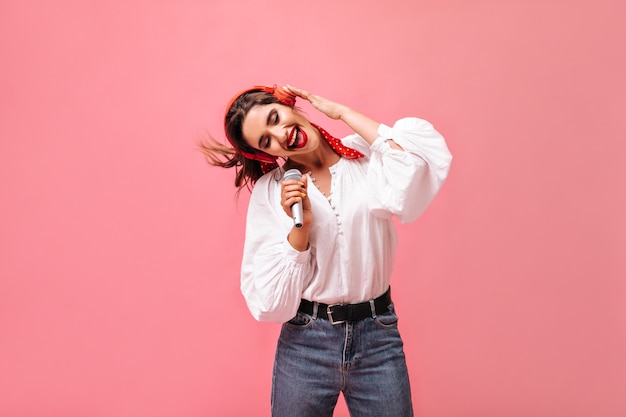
(329,313)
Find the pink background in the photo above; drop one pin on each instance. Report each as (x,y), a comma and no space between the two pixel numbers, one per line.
(120,247)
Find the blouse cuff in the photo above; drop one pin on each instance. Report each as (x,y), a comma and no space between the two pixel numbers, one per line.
(380,144)
(295,255)
(384,132)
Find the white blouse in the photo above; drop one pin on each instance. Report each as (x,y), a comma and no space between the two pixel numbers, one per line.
(352,241)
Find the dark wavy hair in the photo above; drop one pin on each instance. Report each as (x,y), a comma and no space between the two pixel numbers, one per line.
(248,171)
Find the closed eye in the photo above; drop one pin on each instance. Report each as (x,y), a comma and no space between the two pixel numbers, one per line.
(272,119)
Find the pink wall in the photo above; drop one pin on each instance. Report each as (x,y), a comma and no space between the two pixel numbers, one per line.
(120,248)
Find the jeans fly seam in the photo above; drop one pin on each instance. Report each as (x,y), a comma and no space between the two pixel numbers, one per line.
(344,359)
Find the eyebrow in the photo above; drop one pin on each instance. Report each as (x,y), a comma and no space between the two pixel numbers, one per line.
(267,121)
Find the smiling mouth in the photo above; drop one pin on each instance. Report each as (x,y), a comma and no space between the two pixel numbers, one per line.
(297,138)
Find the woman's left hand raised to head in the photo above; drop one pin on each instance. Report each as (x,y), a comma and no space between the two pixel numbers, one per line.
(361,124)
(329,108)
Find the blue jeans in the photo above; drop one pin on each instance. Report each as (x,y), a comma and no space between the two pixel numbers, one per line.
(364,359)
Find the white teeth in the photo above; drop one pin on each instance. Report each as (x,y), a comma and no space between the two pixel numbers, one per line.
(293,137)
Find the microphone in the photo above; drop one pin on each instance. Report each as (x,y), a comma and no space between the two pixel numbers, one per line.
(296,208)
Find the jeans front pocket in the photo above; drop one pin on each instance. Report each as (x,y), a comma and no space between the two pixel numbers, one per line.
(300,321)
(388,320)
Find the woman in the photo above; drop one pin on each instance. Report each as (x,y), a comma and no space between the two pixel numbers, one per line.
(328,280)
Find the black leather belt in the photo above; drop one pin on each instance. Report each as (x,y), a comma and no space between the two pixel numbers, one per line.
(340,313)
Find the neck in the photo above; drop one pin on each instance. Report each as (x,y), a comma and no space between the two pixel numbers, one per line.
(318,160)
(323,157)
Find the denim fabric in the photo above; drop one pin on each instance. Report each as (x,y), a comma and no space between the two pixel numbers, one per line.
(316,360)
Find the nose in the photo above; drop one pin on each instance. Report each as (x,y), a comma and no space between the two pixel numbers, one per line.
(280,133)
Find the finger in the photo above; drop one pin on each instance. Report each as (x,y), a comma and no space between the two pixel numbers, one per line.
(298,92)
(294,186)
(290,201)
(292,192)
(298,193)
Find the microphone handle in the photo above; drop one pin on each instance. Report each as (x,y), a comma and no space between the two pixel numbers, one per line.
(296,208)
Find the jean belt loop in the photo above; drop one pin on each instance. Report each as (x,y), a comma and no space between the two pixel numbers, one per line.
(373,308)
(315,307)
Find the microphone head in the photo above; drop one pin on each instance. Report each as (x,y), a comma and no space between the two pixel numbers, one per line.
(292,174)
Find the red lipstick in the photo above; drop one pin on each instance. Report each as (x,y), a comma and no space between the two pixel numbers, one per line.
(297,138)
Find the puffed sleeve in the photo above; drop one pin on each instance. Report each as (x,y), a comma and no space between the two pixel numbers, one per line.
(273,273)
(404,182)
